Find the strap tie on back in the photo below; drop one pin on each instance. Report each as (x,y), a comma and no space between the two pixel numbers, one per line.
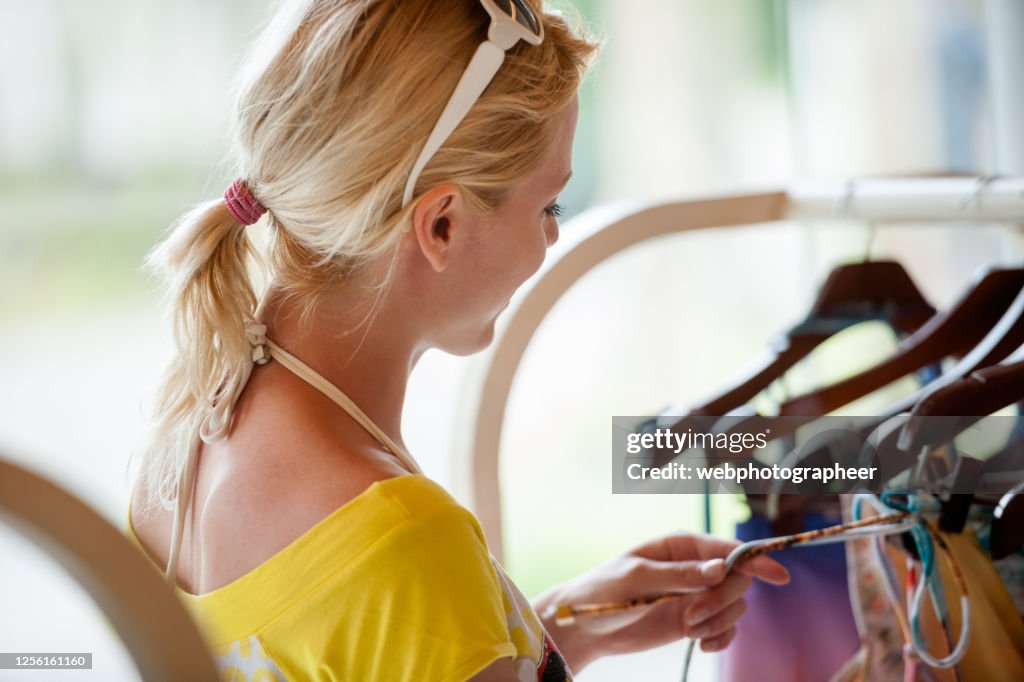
(215,424)
(256,333)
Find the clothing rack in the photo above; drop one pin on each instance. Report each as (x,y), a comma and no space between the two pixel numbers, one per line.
(602,232)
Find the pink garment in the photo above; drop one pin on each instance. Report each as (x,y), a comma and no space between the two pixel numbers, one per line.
(800,632)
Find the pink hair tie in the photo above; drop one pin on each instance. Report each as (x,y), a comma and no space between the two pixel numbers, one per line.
(242,204)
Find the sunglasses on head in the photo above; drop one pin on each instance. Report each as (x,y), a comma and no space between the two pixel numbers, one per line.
(511,21)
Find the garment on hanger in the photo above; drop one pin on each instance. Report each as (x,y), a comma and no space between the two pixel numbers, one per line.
(881,654)
(1010,568)
(895,522)
(823,634)
(883,635)
(401,567)
(818,633)
(995,651)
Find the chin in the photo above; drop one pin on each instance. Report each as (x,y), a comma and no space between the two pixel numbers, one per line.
(468,345)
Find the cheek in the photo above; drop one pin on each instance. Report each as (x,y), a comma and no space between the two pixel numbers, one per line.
(532,251)
(521,253)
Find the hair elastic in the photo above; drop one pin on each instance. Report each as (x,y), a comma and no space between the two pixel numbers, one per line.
(242,203)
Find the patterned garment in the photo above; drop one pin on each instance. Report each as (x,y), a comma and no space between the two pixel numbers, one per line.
(996,647)
(539,659)
(881,653)
(244,660)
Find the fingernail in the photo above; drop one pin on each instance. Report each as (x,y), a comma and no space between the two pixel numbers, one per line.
(700,632)
(697,616)
(712,647)
(710,569)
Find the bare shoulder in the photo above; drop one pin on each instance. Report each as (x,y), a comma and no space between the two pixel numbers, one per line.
(289,495)
(331,482)
(272,505)
(250,505)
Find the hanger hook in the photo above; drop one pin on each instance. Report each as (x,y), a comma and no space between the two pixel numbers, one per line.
(1005,500)
(872,233)
(843,203)
(974,193)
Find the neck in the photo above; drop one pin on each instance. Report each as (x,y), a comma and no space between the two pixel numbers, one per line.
(361,351)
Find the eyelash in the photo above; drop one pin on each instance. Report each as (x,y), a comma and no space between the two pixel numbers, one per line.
(554,210)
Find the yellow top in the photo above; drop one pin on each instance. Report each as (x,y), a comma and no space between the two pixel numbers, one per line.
(397,584)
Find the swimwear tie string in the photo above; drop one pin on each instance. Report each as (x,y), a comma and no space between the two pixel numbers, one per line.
(214,426)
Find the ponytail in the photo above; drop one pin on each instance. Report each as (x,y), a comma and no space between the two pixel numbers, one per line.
(332,104)
(205,261)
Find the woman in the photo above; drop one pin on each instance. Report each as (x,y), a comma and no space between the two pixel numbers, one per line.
(397,222)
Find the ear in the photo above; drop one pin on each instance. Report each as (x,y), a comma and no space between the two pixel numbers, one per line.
(439,215)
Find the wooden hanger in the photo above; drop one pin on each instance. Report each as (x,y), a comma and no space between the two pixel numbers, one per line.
(1006,534)
(966,401)
(951,333)
(1001,341)
(968,329)
(969,399)
(898,443)
(1004,339)
(854,293)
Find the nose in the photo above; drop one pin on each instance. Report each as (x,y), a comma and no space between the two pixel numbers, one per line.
(551,232)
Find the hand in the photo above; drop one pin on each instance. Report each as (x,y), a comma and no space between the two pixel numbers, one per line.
(677,562)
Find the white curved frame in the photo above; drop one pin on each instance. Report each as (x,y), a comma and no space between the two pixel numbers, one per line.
(148,617)
(601,233)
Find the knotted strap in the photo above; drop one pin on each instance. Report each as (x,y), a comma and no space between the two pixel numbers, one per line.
(212,428)
(214,425)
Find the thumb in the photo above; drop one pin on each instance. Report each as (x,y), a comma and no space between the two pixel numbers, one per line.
(679,576)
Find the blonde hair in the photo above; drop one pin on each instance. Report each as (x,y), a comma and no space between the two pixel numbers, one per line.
(333,105)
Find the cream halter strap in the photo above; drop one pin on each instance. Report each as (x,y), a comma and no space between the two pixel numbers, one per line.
(214,426)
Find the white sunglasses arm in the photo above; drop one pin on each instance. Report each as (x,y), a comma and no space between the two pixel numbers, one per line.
(478,74)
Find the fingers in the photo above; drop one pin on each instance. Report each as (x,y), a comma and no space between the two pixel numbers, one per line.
(684,547)
(764,568)
(719,623)
(719,642)
(689,546)
(649,576)
(716,601)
